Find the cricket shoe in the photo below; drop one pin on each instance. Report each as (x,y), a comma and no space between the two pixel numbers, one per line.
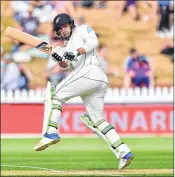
(47,140)
(126,160)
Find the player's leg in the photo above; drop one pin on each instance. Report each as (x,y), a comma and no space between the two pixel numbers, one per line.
(52,112)
(74,85)
(146,81)
(137,81)
(95,121)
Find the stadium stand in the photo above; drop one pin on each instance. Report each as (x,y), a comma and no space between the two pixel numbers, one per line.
(118,35)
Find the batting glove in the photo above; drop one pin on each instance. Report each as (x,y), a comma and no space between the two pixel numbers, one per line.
(71,55)
(56,57)
(57,54)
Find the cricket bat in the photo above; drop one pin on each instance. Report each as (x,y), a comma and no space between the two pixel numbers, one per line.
(28,39)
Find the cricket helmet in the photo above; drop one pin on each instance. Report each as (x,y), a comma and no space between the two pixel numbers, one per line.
(60,20)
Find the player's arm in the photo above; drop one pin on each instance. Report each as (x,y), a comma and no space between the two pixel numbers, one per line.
(90,39)
(90,42)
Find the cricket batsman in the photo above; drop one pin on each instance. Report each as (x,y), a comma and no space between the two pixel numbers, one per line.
(87,80)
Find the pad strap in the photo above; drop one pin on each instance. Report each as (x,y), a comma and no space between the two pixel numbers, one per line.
(53,124)
(107,129)
(117,144)
(99,122)
(57,106)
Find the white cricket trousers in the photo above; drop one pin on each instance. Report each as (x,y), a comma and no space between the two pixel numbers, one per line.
(90,83)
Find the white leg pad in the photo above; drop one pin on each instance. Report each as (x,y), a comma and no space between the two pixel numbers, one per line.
(96,130)
(50,118)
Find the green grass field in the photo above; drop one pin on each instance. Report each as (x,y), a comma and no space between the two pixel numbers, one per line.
(85,157)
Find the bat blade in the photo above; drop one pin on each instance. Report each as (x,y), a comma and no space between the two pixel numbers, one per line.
(28,39)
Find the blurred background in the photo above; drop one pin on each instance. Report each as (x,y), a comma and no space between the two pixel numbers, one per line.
(137,53)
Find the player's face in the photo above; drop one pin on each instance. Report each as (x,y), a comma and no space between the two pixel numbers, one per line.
(65,30)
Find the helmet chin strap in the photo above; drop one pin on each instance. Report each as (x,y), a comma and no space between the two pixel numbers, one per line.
(67,38)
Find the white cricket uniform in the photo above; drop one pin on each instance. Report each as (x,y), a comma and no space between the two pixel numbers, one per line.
(87,79)
(90,83)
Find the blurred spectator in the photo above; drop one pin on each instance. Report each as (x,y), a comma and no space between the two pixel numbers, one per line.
(80,20)
(100,4)
(28,24)
(25,76)
(168,49)
(76,4)
(64,7)
(103,54)
(129,6)
(153,10)
(138,72)
(25,73)
(87,4)
(11,74)
(19,9)
(170,33)
(164,22)
(44,11)
(130,59)
(2,62)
